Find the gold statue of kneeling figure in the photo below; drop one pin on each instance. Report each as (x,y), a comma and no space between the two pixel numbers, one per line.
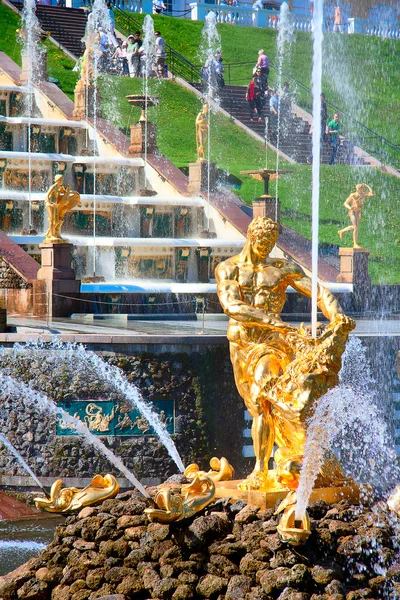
(280,370)
(59,201)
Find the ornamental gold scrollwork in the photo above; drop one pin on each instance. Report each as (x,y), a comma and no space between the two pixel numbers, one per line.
(64,500)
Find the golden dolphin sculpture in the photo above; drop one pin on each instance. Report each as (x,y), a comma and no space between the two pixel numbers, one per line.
(288,529)
(63,500)
(172,506)
(221,470)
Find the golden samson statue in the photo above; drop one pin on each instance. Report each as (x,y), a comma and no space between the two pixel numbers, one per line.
(280,371)
(59,200)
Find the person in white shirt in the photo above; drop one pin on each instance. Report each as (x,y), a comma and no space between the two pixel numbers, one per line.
(158,7)
(160,54)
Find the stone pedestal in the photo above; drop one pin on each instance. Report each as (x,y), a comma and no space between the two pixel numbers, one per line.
(198,177)
(86,97)
(139,132)
(266,206)
(56,284)
(354,267)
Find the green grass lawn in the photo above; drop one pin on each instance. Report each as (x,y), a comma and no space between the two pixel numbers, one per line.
(361,73)
(59,65)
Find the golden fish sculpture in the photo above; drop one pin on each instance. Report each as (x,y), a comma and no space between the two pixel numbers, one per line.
(64,500)
(289,530)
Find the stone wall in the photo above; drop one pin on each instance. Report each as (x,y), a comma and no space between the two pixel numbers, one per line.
(10,279)
(208,418)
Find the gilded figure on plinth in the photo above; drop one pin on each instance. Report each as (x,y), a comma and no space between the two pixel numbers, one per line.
(59,200)
(280,370)
(202,132)
(354,204)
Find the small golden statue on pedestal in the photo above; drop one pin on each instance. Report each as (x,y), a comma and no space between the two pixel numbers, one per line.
(280,371)
(59,200)
(202,132)
(354,205)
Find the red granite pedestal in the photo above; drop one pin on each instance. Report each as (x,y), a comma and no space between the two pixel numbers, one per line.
(354,267)
(56,285)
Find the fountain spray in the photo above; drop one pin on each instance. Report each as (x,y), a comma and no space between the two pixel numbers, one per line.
(29,35)
(209,46)
(22,462)
(31,397)
(97,24)
(285,34)
(149,45)
(316,151)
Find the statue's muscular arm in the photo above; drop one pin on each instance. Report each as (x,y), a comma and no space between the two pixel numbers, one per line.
(234,306)
(326,301)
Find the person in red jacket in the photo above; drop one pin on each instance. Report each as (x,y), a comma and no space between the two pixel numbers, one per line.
(254,98)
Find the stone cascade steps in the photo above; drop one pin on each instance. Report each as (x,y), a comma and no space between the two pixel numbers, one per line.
(67,25)
(295,139)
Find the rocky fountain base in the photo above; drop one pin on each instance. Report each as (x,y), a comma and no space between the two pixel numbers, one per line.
(226,552)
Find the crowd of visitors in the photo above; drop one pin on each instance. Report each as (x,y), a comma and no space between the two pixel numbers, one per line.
(276,105)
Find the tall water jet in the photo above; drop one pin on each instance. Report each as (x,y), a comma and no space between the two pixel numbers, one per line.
(32,398)
(210,46)
(29,35)
(96,27)
(7,444)
(284,39)
(77,360)
(149,54)
(316,152)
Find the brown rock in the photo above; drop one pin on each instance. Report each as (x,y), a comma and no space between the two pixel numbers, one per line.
(84,545)
(221,566)
(131,521)
(81,594)
(238,587)
(211,585)
(324,574)
(107,533)
(167,571)
(51,576)
(71,574)
(79,584)
(256,593)
(117,574)
(33,589)
(88,511)
(248,514)
(61,592)
(249,566)
(130,585)
(165,588)
(171,556)
(335,587)
(227,548)
(150,578)
(350,545)
(105,590)
(191,566)
(271,542)
(277,580)
(134,533)
(284,558)
(291,594)
(158,531)
(187,578)
(377,583)
(359,594)
(206,529)
(160,548)
(183,592)
(136,556)
(341,529)
(94,578)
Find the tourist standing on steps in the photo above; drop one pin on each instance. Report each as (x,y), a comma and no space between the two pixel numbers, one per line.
(120,54)
(158,7)
(160,54)
(137,54)
(130,50)
(263,64)
(333,131)
(337,21)
(254,98)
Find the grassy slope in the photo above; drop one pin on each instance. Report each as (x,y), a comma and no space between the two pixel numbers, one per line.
(361,73)
(59,65)
(233,151)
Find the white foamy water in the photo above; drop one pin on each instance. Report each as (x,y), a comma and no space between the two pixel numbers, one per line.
(31,397)
(12,545)
(348,422)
